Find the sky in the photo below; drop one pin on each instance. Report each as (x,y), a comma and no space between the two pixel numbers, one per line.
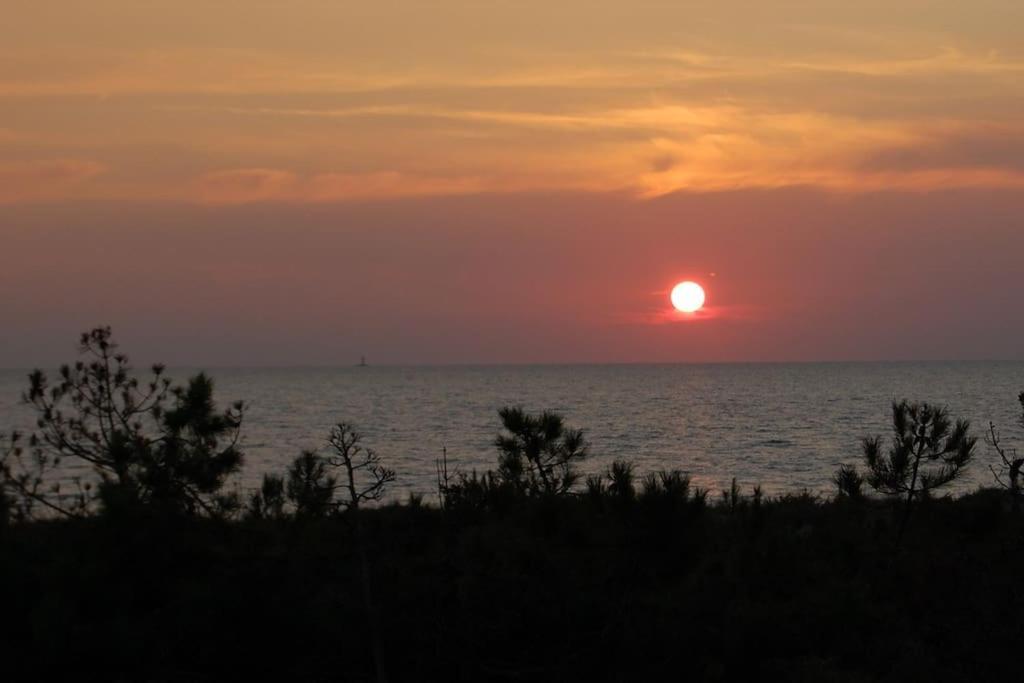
(304,183)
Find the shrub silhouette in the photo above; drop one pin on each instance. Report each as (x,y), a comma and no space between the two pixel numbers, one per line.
(849,483)
(537,456)
(927,452)
(366,479)
(17,485)
(310,487)
(1010,464)
(6,453)
(538,453)
(595,488)
(188,466)
(661,493)
(269,501)
(668,492)
(621,480)
(147,442)
(479,492)
(669,483)
(731,498)
(312,481)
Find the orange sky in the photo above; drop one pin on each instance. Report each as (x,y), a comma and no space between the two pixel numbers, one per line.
(512,174)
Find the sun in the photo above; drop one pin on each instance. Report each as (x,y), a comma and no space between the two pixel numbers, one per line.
(687,297)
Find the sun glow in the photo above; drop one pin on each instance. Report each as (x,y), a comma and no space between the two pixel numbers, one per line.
(687,297)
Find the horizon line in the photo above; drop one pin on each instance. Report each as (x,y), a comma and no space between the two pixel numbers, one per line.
(540,364)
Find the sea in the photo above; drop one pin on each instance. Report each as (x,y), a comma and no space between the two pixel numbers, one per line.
(782,426)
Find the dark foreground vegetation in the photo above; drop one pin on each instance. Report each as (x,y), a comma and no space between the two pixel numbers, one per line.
(545,590)
(149,570)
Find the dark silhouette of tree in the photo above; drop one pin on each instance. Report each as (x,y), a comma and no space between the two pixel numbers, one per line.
(731,498)
(365,481)
(849,483)
(476,491)
(7,451)
(313,481)
(595,488)
(668,492)
(538,453)
(310,487)
(148,442)
(268,502)
(189,463)
(444,480)
(22,484)
(1010,465)
(927,452)
(621,480)
(365,477)
(667,483)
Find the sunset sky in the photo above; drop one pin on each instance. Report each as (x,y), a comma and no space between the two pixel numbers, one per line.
(294,183)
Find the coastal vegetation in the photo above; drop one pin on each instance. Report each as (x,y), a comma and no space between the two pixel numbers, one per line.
(151,568)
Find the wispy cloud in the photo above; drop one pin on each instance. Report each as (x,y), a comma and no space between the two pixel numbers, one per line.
(641,110)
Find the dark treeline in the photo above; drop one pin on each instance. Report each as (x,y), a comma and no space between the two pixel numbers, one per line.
(150,567)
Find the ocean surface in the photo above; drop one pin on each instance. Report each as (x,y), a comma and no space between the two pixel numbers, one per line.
(783,426)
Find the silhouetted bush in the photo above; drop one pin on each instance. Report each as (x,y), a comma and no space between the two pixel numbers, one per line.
(849,483)
(673,483)
(149,444)
(5,507)
(538,454)
(595,488)
(312,481)
(666,484)
(269,501)
(8,448)
(927,452)
(669,494)
(1010,465)
(486,491)
(731,497)
(621,481)
(801,497)
(366,479)
(188,467)
(310,487)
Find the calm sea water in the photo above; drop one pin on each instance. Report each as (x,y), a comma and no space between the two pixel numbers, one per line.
(784,426)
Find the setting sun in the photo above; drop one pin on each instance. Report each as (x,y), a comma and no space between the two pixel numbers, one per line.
(687,297)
